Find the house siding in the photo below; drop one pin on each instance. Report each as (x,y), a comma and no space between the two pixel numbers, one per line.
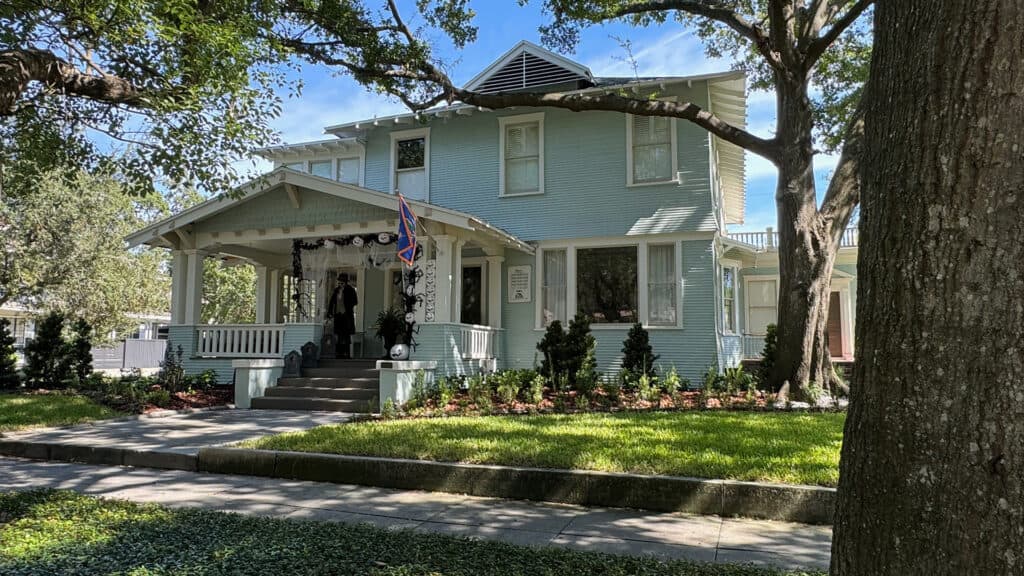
(275,210)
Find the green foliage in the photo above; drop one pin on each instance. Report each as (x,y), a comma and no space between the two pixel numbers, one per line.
(714,381)
(579,348)
(158,397)
(229,293)
(535,391)
(612,387)
(444,391)
(80,349)
(62,232)
(587,378)
(196,85)
(47,362)
(738,380)
(172,370)
(769,356)
(480,392)
(647,388)
(509,384)
(8,361)
(62,533)
(637,355)
(553,347)
(673,383)
(389,411)
(419,394)
(390,324)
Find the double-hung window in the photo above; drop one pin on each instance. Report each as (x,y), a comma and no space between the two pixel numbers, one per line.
(348,170)
(729,300)
(762,305)
(651,149)
(522,154)
(554,280)
(661,285)
(410,151)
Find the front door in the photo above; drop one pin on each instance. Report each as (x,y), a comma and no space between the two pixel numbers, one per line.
(835,327)
(472,295)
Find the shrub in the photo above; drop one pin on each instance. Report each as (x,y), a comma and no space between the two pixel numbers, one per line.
(535,391)
(80,350)
(444,391)
(158,397)
(8,360)
(418,395)
(389,411)
(172,373)
(637,355)
(769,356)
(586,375)
(647,389)
(552,346)
(203,381)
(479,390)
(582,403)
(713,380)
(671,381)
(738,380)
(508,386)
(612,388)
(579,346)
(46,358)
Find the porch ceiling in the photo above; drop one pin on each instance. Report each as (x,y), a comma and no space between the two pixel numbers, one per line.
(252,240)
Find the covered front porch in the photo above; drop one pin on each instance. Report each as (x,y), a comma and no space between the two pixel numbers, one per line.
(300,232)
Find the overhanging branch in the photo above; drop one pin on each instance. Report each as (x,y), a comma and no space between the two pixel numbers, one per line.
(818,46)
(18,68)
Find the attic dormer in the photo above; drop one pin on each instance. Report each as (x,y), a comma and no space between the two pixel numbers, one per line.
(528,67)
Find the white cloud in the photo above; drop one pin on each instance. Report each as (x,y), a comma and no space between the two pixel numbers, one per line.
(678,53)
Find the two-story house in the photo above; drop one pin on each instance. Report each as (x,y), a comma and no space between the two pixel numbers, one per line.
(526,216)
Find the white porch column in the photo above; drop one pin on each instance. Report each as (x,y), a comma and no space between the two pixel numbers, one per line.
(846,306)
(179,281)
(457,282)
(262,294)
(443,277)
(274,291)
(494,291)
(194,287)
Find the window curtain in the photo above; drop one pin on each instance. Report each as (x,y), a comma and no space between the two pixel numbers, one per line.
(729,299)
(554,287)
(661,284)
(652,149)
(522,158)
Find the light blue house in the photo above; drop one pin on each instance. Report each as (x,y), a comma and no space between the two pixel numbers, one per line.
(526,215)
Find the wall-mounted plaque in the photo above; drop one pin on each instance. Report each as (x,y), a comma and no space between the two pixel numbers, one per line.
(520,285)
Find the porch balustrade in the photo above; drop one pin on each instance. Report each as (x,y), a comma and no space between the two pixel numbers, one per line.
(769,240)
(478,342)
(753,346)
(240,340)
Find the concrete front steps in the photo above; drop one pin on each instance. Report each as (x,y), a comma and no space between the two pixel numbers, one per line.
(333,386)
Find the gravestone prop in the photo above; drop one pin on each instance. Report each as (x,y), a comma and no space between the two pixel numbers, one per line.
(292,365)
(309,355)
(329,345)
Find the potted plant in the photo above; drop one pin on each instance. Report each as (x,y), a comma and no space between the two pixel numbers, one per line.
(390,325)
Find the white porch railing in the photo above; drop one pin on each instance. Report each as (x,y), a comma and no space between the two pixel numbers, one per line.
(478,342)
(240,340)
(753,346)
(769,239)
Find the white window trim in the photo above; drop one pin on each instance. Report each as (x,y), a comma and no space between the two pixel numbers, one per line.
(677,249)
(361,157)
(746,298)
(503,122)
(307,164)
(735,267)
(410,135)
(641,245)
(674,138)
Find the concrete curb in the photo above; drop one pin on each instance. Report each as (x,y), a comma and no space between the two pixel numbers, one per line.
(99,455)
(806,504)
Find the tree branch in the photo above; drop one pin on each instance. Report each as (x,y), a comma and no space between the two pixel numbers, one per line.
(818,46)
(713,11)
(579,102)
(18,68)
(843,192)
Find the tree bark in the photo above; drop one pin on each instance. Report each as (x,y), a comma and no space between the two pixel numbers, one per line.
(20,67)
(932,472)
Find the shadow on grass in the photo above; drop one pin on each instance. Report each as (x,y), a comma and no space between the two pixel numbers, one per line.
(62,533)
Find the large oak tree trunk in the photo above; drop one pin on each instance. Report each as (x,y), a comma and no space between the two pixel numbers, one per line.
(932,473)
(807,246)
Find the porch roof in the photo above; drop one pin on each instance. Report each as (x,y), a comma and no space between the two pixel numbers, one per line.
(169,232)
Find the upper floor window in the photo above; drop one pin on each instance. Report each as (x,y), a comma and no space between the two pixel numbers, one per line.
(651,150)
(522,154)
(409,152)
(321,168)
(348,170)
(297,166)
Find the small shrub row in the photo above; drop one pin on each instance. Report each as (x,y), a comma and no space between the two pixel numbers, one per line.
(60,355)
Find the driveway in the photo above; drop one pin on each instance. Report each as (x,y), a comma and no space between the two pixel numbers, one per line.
(180,433)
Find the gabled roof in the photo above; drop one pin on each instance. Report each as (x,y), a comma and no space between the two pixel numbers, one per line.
(527,65)
(280,177)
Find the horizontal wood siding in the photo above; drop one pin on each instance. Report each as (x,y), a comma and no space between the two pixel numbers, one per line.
(185,336)
(275,210)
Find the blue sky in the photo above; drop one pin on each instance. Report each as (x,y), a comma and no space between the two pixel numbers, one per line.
(669,49)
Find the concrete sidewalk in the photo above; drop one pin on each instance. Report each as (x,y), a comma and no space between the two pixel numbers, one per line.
(179,433)
(701,538)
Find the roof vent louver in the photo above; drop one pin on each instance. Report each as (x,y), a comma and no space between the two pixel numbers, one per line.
(529,66)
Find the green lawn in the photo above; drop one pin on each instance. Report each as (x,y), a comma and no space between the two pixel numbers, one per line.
(770,446)
(62,533)
(29,410)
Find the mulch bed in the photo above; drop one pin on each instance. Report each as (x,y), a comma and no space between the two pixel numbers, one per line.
(218,396)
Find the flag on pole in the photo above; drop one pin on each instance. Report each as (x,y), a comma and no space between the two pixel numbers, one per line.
(406,232)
